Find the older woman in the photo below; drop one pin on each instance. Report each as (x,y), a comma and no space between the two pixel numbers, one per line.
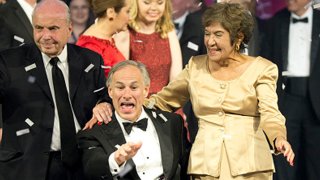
(233,96)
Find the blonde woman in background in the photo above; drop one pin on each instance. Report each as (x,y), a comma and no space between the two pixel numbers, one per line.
(152,40)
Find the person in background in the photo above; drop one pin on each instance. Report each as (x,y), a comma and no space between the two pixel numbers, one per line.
(293,43)
(80,18)
(112,17)
(15,23)
(234,99)
(48,90)
(138,143)
(152,40)
(15,27)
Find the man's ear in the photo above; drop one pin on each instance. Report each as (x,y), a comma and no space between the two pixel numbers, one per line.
(110,92)
(146,91)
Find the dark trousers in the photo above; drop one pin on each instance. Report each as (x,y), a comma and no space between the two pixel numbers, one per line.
(303,128)
(58,171)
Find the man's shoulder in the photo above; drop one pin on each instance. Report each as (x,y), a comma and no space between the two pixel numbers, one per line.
(84,52)
(157,113)
(19,50)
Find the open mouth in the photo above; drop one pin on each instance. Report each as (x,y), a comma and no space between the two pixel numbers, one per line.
(127,106)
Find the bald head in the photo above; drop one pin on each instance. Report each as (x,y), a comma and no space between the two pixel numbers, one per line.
(53,7)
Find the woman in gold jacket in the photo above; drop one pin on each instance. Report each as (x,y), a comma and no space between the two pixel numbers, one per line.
(234,98)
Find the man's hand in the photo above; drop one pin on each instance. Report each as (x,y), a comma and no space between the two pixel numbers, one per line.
(284,147)
(102,112)
(126,152)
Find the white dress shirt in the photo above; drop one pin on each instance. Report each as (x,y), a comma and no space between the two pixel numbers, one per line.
(148,158)
(299,46)
(63,65)
(27,8)
(181,20)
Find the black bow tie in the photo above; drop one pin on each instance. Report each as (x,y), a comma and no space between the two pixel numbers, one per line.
(303,20)
(142,124)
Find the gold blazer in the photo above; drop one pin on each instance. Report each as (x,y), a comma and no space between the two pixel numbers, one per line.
(231,113)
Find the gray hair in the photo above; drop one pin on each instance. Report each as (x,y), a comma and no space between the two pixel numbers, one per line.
(122,64)
(50,2)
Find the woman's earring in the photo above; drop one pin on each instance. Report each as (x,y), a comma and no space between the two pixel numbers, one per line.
(237,47)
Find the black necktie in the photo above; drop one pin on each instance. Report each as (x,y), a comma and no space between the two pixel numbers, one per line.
(176,25)
(69,152)
(142,124)
(303,20)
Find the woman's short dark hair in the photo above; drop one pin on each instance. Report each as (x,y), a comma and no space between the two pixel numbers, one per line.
(232,17)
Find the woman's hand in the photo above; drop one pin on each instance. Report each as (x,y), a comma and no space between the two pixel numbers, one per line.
(102,112)
(284,147)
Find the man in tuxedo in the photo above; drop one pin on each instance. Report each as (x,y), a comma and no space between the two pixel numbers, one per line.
(293,44)
(48,91)
(138,143)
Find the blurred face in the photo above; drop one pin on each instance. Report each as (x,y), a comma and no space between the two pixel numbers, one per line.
(297,6)
(123,17)
(179,7)
(79,11)
(51,31)
(150,10)
(128,92)
(217,41)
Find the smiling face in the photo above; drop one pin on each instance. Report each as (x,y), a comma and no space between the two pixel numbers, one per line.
(51,28)
(128,91)
(217,41)
(150,10)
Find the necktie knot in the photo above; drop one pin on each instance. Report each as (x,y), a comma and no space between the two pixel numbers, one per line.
(142,124)
(54,61)
(303,20)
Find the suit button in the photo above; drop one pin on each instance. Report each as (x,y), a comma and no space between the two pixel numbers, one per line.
(220,113)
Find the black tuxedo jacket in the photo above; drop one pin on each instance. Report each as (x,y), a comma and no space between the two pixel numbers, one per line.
(15,27)
(28,107)
(276,49)
(98,143)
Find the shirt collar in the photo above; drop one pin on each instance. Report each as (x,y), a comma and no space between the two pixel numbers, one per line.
(307,14)
(180,20)
(142,115)
(62,57)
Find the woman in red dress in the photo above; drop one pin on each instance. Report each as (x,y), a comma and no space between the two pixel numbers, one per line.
(112,17)
(152,40)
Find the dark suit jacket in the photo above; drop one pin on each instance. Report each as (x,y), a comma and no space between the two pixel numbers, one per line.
(98,143)
(191,41)
(25,97)
(276,49)
(14,25)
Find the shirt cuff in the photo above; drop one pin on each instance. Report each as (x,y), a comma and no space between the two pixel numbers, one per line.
(113,165)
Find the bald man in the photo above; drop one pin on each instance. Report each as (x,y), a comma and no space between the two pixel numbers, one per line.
(48,91)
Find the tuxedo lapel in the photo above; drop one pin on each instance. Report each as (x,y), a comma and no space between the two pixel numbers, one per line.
(285,23)
(315,38)
(21,15)
(38,72)
(163,129)
(76,70)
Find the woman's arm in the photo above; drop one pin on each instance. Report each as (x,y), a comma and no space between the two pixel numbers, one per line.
(176,56)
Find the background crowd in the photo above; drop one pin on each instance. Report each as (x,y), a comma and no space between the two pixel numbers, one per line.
(286,32)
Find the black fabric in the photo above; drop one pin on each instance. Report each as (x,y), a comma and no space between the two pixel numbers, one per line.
(303,20)
(142,124)
(67,127)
